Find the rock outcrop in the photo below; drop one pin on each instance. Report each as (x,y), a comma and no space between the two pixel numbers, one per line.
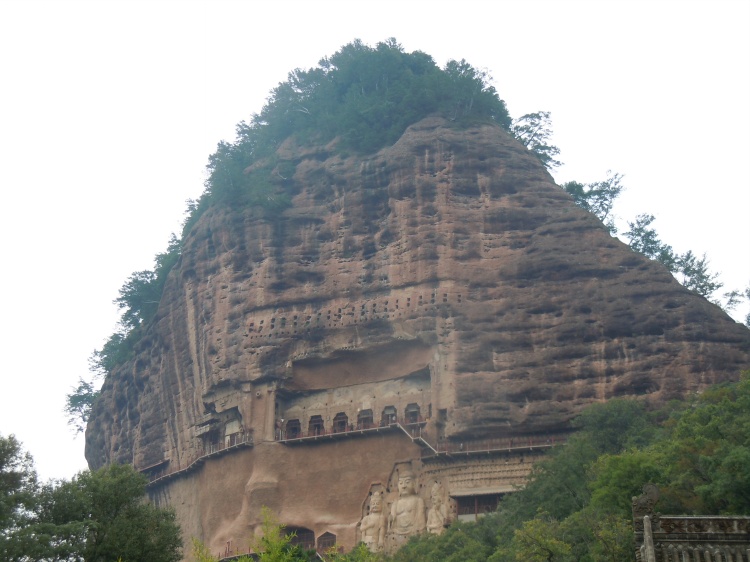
(442,294)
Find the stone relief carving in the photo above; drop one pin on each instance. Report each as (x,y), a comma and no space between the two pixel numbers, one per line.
(644,505)
(372,526)
(437,516)
(407,515)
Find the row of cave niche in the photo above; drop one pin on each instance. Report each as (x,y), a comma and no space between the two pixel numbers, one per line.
(292,429)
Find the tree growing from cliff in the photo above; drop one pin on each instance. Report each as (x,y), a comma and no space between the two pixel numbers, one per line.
(534,131)
(692,272)
(140,295)
(696,275)
(598,197)
(139,300)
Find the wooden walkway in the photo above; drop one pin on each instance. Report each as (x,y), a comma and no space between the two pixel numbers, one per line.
(214,450)
(412,430)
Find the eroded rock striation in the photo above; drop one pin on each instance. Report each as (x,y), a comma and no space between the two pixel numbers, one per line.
(440,295)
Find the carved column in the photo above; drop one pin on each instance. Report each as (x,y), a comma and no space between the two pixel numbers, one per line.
(270,424)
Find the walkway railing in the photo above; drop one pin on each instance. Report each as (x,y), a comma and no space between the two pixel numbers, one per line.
(499,444)
(231,442)
(231,554)
(252,555)
(349,430)
(413,429)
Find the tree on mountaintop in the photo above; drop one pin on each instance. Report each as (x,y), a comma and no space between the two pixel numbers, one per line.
(364,96)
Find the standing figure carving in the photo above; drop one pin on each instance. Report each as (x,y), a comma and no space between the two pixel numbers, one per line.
(407,515)
(372,526)
(437,516)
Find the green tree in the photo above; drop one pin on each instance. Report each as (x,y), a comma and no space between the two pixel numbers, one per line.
(18,489)
(79,403)
(693,272)
(359,553)
(559,485)
(734,297)
(100,517)
(141,293)
(275,545)
(645,240)
(539,540)
(705,449)
(461,542)
(614,426)
(616,478)
(534,131)
(201,552)
(597,535)
(139,299)
(696,275)
(598,197)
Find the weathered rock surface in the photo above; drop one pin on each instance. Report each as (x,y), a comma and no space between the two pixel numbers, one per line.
(446,277)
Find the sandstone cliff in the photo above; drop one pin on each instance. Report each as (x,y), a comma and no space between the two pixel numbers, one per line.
(445,281)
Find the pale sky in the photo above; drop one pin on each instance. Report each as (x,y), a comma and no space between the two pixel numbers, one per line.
(110,109)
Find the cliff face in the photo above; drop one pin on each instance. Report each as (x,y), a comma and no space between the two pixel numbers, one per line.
(445,281)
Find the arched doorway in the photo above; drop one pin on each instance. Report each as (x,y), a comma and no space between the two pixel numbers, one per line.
(389,415)
(340,422)
(411,414)
(303,537)
(293,429)
(326,542)
(364,419)
(316,427)
(231,432)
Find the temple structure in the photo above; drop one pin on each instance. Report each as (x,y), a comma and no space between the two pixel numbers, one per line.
(681,538)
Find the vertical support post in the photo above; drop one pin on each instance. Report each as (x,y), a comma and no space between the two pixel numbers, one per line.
(648,540)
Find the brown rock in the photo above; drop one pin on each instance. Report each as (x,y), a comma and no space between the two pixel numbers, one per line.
(447,277)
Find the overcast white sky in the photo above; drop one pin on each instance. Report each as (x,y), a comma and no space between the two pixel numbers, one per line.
(109,110)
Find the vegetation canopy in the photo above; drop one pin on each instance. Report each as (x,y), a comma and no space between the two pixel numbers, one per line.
(363,96)
(97,516)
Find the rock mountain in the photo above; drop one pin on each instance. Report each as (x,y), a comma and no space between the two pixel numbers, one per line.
(412,332)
